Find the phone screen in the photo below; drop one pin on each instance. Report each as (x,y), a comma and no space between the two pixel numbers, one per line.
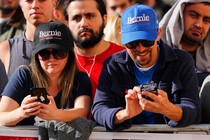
(151,87)
(41,93)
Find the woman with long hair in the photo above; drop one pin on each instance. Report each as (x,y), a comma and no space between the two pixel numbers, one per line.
(52,68)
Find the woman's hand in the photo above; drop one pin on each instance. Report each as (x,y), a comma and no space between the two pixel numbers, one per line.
(48,111)
(29,107)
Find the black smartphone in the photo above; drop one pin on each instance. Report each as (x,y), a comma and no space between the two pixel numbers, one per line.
(151,87)
(41,93)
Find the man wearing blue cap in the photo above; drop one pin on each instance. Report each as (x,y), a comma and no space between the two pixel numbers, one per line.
(149,82)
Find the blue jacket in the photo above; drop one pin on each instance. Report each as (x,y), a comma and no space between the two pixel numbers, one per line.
(175,75)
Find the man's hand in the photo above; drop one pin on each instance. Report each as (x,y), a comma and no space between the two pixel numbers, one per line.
(160,104)
(132,108)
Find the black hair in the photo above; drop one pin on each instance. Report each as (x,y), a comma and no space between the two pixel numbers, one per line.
(100,6)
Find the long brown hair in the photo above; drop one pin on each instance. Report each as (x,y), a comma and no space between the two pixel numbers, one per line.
(65,82)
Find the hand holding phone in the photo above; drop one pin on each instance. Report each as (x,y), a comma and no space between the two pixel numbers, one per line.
(150,87)
(41,94)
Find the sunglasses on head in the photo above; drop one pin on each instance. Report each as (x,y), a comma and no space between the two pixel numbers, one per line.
(57,54)
(145,43)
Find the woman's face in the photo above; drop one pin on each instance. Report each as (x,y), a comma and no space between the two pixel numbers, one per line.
(52,61)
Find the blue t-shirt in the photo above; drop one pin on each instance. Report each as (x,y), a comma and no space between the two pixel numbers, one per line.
(144,77)
(20,83)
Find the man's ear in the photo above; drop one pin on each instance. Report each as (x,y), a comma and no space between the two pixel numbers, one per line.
(54,3)
(105,19)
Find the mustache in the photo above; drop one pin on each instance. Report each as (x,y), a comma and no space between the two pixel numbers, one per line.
(196,29)
(84,30)
(138,53)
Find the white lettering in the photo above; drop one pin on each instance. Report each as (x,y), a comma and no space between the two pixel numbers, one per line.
(43,34)
(133,20)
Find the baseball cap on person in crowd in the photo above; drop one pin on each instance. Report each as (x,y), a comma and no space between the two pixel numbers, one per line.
(52,35)
(138,22)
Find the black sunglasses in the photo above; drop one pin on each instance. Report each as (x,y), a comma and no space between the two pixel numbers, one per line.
(57,54)
(145,43)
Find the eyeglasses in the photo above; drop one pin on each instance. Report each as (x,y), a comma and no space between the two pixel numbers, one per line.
(145,43)
(45,54)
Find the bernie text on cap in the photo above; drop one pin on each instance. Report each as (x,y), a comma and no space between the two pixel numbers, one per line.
(134,20)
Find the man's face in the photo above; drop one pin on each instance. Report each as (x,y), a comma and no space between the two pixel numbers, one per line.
(8,5)
(143,56)
(37,11)
(85,23)
(196,22)
(115,7)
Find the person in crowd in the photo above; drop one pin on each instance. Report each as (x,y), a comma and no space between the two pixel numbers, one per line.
(12,21)
(149,82)
(18,50)
(159,6)
(87,19)
(189,30)
(150,3)
(114,10)
(53,67)
(59,13)
(116,7)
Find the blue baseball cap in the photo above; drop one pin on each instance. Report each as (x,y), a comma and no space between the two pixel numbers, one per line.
(138,22)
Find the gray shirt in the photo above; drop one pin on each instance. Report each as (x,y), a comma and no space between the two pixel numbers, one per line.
(20,54)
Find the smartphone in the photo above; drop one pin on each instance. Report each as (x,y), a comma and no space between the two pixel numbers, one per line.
(151,87)
(41,93)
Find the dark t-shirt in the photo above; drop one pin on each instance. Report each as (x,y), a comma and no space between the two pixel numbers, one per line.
(20,83)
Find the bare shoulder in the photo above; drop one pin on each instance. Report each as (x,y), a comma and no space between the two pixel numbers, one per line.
(4,46)
(4,50)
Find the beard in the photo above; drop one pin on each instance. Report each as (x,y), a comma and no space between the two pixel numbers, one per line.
(7,10)
(192,40)
(92,40)
(143,62)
